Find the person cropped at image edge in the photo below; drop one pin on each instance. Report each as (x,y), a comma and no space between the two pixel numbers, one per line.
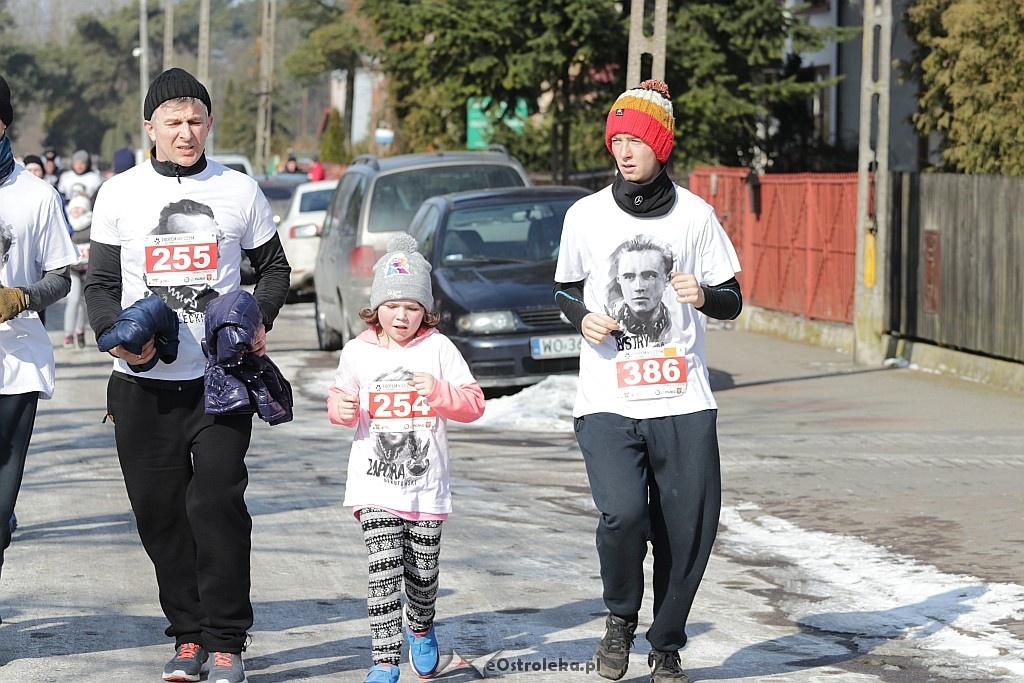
(36,253)
(642,265)
(398,383)
(184,469)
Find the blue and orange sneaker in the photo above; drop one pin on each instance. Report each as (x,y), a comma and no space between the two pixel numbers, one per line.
(423,653)
(383,673)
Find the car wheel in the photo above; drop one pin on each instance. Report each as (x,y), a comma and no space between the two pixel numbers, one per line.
(327,338)
(346,329)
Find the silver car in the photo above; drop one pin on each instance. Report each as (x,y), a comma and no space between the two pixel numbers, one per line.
(375,198)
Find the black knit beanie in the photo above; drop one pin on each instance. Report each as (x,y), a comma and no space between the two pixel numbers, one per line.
(6,110)
(171,85)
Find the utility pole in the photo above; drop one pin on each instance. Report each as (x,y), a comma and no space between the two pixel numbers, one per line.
(263,111)
(143,70)
(168,34)
(203,58)
(640,43)
(873,183)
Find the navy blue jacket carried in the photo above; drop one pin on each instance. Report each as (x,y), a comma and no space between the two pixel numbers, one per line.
(237,380)
(147,317)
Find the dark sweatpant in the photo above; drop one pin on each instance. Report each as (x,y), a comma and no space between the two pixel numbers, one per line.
(656,480)
(17,416)
(185,476)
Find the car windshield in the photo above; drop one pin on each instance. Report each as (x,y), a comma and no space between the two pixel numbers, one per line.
(527,231)
(396,196)
(279,197)
(317,200)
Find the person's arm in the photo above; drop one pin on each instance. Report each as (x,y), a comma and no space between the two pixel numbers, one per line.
(103,286)
(595,327)
(54,286)
(460,403)
(272,278)
(569,299)
(722,302)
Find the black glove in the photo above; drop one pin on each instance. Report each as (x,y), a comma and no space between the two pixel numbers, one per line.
(12,302)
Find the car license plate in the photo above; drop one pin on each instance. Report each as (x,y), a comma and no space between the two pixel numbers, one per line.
(559,346)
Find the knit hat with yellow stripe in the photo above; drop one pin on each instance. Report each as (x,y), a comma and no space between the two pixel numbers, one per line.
(644,112)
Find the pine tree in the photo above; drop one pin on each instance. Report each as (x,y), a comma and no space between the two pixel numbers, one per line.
(971,66)
(332,143)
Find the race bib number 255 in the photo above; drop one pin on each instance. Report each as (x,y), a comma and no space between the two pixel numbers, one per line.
(181,259)
(654,372)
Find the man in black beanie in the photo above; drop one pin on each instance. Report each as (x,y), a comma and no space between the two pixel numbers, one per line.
(185,470)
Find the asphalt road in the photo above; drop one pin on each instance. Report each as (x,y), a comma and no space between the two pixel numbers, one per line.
(923,466)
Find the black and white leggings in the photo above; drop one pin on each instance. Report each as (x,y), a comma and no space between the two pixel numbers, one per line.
(399,549)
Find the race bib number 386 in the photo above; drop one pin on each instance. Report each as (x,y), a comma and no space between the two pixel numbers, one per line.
(654,372)
(181,259)
(396,407)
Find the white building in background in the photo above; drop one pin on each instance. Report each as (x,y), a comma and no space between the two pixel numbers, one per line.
(837,110)
(367,104)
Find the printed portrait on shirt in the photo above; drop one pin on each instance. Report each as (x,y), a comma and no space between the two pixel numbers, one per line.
(398,420)
(6,243)
(182,258)
(640,271)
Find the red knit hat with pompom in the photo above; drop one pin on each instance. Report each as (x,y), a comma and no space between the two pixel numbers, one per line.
(644,112)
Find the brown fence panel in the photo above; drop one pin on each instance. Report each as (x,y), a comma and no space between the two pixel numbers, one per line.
(798,253)
(960,245)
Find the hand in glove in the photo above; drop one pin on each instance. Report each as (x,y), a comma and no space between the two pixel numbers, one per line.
(12,302)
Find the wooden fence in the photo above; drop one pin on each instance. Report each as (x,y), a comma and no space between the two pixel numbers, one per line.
(955,263)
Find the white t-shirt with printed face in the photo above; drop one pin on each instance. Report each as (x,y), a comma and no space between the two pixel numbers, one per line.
(181,239)
(33,239)
(399,456)
(654,365)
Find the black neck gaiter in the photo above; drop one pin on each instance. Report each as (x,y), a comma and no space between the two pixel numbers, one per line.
(173,170)
(6,157)
(649,200)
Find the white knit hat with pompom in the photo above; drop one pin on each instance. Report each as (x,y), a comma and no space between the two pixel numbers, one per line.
(402,273)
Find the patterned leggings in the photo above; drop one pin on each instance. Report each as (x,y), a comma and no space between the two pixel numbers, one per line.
(397,548)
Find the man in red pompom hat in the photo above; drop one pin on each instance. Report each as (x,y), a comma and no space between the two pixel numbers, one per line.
(642,265)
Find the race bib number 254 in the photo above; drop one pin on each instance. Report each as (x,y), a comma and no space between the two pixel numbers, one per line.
(396,407)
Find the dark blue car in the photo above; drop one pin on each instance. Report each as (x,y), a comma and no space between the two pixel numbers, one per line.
(493,256)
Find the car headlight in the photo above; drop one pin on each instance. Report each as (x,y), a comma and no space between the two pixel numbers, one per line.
(489,322)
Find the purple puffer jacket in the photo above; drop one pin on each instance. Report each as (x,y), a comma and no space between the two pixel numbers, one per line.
(237,380)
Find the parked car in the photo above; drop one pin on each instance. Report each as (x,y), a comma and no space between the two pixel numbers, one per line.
(493,264)
(375,198)
(238,162)
(279,195)
(299,228)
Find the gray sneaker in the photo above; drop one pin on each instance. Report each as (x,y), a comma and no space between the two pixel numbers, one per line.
(665,667)
(227,668)
(612,656)
(186,664)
